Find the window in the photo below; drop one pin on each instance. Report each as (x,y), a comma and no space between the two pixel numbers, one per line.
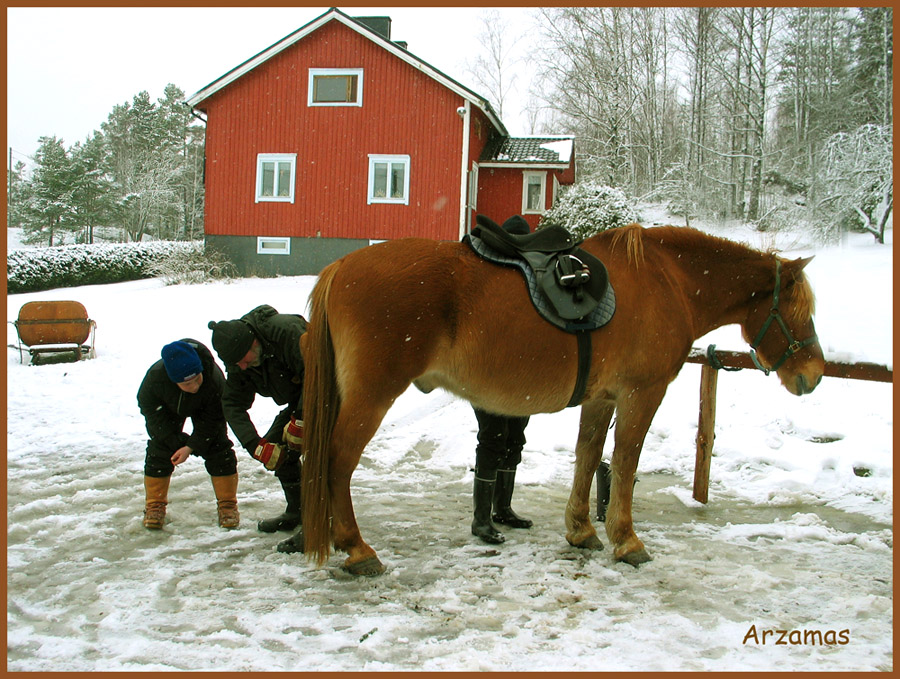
(335,86)
(275,177)
(534,192)
(269,245)
(388,179)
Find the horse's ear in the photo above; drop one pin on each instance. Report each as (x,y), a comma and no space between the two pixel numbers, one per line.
(796,266)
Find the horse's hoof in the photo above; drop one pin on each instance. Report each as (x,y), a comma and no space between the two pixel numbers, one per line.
(369,566)
(592,542)
(636,558)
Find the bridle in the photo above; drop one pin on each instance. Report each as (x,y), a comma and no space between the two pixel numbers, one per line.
(775,315)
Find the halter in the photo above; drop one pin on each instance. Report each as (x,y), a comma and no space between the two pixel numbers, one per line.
(793,345)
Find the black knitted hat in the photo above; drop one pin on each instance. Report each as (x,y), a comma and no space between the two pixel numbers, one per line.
(231,340)
(516,225)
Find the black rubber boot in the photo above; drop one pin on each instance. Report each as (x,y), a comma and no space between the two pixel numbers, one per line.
(292,544)
(503,491)
(483,497)
(290,518)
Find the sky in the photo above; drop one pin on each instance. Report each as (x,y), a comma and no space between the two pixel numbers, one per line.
(68,67)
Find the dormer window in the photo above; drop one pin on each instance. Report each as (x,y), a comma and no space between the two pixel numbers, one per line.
(335,86)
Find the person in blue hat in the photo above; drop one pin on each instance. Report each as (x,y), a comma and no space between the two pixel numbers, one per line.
(186,383)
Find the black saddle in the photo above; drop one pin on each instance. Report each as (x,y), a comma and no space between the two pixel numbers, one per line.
(568,286)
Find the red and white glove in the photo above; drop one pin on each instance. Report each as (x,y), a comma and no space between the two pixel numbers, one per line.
(270,454)
(293,434)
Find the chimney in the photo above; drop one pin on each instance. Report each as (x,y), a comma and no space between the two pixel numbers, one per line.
(380,25)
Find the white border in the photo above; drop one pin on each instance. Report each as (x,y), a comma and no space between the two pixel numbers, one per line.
(275,158)
(313,72)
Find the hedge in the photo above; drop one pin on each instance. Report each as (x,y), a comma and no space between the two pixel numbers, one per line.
(32,270)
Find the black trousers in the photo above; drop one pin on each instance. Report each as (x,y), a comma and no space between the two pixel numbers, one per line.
(500,440)
(219,458)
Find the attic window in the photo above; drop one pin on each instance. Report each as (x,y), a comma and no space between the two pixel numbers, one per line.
(335,86)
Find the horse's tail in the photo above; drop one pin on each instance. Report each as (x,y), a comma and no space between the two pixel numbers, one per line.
(321,403)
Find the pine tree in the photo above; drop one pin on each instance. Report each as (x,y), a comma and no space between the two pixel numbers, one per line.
(50,208)
(92,187)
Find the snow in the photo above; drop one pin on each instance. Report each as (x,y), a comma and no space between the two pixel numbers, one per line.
(791,539)
(562,148)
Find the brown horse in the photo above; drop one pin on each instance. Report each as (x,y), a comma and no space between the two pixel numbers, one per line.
(435,314)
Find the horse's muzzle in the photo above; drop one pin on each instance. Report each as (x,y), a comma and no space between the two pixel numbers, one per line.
(805,385)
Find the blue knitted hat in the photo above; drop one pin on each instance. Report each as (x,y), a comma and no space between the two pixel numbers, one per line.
(182,361)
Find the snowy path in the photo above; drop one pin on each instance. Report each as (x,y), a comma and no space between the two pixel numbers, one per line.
(196,597)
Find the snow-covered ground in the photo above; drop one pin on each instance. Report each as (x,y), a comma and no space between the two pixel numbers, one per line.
(792,538)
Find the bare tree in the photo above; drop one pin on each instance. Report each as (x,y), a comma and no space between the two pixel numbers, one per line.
(855,187)
(492,70)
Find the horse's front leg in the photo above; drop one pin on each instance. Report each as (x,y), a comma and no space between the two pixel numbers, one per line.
(634,414)
(595,418)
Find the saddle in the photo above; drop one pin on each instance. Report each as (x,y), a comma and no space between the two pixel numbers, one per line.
(568,286)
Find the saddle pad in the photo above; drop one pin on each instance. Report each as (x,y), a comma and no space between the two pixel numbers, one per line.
(599,317)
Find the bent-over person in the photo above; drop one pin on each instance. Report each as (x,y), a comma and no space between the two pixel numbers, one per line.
(261,353)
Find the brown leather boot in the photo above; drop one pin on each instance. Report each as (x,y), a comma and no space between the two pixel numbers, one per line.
(225,488)
(157,492)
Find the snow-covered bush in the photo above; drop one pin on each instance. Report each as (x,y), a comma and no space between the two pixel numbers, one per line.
(587,208)
(70,265)
(192,266)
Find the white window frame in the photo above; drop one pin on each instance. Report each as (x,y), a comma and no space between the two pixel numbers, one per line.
(526,175)
(390,159)
(275,158)
(313,72)
(273,245)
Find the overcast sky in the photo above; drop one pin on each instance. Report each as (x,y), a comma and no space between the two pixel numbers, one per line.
(68,67)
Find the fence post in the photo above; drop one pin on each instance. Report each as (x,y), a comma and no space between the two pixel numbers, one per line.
(706,432)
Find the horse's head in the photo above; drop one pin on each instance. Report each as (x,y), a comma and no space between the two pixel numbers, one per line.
(780,329)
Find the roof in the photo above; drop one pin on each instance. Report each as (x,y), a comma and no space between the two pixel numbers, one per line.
(334,14)
(547,151)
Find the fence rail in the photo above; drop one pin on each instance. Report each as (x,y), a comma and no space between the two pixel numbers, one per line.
(871,372)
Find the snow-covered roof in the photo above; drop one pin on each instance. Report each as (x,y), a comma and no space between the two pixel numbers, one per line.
(546,151)
(334,14)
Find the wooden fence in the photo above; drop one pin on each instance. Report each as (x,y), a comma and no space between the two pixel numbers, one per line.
(871,372)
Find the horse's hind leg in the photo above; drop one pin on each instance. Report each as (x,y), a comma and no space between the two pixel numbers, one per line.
(355,426)
(595,418)
(633,418)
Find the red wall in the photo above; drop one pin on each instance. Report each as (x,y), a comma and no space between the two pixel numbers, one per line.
(266,111)
(500,192)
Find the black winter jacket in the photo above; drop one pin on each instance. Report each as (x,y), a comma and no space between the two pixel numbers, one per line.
(279,376)
(165,407)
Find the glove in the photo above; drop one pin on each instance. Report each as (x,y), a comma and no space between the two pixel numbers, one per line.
(270,454)
(293,434)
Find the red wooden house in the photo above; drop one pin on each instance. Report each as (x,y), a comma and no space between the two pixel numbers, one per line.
(337,136)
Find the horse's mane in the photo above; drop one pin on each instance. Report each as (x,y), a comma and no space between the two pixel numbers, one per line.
(679,237)
(687,238)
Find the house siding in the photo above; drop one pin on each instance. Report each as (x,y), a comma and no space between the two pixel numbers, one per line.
(502,191)
(265,111)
